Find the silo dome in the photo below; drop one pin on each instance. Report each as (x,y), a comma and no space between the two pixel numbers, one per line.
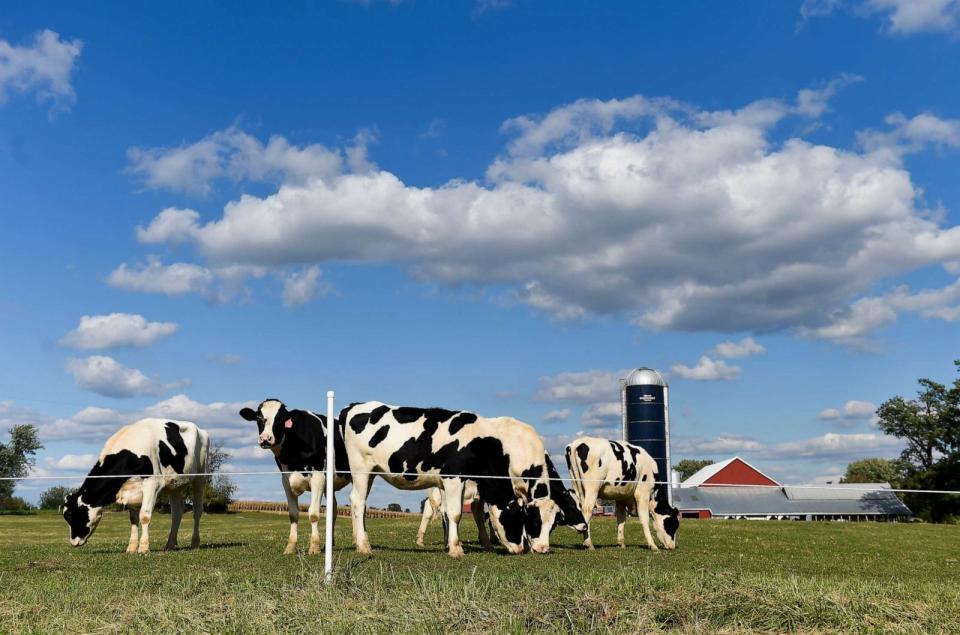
(645,377)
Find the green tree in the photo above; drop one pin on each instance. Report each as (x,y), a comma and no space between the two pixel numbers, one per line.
(689,467)
(874,470)
(52,498)
(930,426)
(220,488)
(394,507)
(16,459)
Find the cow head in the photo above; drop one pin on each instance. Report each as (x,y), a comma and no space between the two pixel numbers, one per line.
(522,526)
(82,518)
(666,520)
(272,422)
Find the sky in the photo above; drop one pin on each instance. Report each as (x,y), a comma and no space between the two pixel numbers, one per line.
(492,205)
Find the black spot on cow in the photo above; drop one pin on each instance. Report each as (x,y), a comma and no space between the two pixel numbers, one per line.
(359,421)
(643,477)
(532,475)
(628,468)
(176,458)
(407,414)
(100,491)
(583,451)
(304,446)
(461,420)
(377,413)
(379,436)
(672,521)
(512,517)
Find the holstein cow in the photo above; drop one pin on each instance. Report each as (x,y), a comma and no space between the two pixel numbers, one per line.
(568,509)
(298,440)
(158,452)
(418,448)
(626,474)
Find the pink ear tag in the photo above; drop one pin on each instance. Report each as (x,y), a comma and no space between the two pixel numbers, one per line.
(288,423)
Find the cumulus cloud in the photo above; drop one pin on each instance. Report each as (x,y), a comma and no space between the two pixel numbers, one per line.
(116,330)
(833,444)
(680,218)
(557,416)
(602,415)
(217,285)
(746,347)
(707,369)
(581,387)
(73,461)
(902,17)
(108,377)
(231,154)
(906,135)
(300,287)
(44,68)
(814,102)
(724,443)
(850,414)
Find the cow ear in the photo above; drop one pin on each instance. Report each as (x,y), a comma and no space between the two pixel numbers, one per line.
(248,414)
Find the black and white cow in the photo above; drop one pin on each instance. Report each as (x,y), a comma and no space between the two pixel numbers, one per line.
(298,440)
(624,473)
(568,509)
(418,448)
(159,451)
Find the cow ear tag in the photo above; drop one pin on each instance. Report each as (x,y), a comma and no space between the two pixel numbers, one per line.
(288,423)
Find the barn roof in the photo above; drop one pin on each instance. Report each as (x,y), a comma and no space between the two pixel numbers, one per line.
(876,499)
(704,474)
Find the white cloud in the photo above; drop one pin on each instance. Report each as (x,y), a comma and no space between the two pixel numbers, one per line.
(814,102)
(907,135)
(903,17)
(115,330)
(744,348)
(301,286)
(185,408)
(106,376)
(707,369)
(833,444)
(227,359)
(723,443)
(217,285)
(581,387)
(850,414)
(231,154)
(683,219)
(601,415)
(73,461)
(556,416)
(43,68)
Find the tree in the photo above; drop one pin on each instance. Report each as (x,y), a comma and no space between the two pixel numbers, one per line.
(16,459)
(220,489)
(689,467)
(52,498)
(874,471)
(930,426)
(394,507)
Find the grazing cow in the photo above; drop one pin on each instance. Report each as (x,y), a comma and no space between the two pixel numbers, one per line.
(568,510)
(159,452)
(626,474)
(419,448)
(298,440)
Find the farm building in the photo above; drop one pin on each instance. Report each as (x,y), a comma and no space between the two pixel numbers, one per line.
(758,496)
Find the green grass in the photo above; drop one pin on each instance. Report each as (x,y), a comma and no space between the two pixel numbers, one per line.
(726,576)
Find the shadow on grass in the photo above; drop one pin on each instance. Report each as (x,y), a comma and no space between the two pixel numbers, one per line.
(202,547)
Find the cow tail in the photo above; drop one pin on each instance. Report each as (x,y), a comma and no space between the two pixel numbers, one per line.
(576,474)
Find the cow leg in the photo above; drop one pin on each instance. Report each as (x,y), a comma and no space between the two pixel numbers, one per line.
(643,512)
(358,509)
(176,515)
(589,500)
(621,521)
(453,503)
(134,530)
(477,508)
(150,488)
(199,486)
(293,511)
(317,484)
(425,519)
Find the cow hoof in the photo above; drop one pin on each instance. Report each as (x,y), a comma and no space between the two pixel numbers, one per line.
(654,548)
(143,551)
(622,545)
(314,548)
(132,549)
(588,544)
(364,549)
(195,544)
(456,552)
(420,543)
(169,547)
(290,550)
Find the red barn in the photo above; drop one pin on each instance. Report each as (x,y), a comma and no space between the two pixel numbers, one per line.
(734,471)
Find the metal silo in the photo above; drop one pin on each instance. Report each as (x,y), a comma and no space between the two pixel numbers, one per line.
(645,404)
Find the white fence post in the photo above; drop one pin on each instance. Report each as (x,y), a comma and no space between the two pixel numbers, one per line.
(331,475)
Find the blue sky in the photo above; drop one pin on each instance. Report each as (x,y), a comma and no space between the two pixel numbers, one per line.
(497,206)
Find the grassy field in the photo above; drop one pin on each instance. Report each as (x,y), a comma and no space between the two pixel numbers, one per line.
(725,576)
